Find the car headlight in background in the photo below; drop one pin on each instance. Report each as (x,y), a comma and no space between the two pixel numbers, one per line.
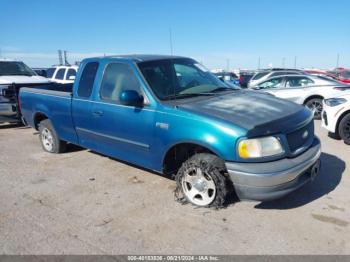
(259,147)
(334,101)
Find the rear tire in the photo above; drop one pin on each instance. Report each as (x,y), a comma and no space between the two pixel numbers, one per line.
(49,138)
(203,181)
(344,129)
(316,106)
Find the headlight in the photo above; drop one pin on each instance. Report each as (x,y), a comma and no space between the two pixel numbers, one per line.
(259,147)
(334,101)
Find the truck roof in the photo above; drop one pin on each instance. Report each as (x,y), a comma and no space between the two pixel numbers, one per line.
(142,57)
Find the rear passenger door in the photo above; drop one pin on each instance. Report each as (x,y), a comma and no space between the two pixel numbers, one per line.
(82,106)
(295,88)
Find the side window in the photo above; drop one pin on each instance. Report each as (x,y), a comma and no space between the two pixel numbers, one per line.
(298,81)
(87,79)
(117,78)
(272,83)
(71,72)
(60,74)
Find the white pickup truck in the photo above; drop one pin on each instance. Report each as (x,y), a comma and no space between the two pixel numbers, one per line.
(14,75)
(63,74)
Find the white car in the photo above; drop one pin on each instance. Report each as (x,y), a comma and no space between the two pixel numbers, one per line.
(12,71)
(14,75)
(302,89)
(336,115)
(262,76)
(63,74)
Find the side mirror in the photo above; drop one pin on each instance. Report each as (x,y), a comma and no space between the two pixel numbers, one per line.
(131,98)
(71,78)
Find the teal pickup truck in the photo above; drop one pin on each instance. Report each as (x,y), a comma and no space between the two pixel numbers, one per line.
(171,115)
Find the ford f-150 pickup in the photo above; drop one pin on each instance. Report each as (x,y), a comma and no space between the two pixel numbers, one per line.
(171,115)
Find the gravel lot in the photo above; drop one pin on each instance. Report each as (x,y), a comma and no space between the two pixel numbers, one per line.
(84,203)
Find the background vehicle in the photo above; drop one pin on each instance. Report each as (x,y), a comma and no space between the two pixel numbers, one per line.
(244,78)
(14,75)
(171,115)
(41,71)
(263,75)
(302,89)
(228,77)
(62,74)
(336,115)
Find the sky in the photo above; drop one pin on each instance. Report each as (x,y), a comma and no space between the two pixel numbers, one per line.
(219,34)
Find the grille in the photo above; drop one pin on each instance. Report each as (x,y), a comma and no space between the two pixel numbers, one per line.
(301,137)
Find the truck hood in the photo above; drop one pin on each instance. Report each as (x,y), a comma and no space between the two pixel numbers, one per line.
(257,112)
(23,79)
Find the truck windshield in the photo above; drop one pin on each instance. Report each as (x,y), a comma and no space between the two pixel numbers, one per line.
(11,68)
(180,78)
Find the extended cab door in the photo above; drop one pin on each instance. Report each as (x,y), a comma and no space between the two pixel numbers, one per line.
(123,131)
(82,105)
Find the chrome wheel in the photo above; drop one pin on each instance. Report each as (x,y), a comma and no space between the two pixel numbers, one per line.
(198,187)
(47,139)
(315,105)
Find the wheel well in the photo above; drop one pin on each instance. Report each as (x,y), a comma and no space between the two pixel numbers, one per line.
(312,97)
(38,118)
(340,119)
(179,153)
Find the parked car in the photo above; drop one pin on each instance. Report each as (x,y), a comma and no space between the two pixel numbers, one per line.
(344,76)
(41,71)
(244,78)
(336,115)
(171,115)
(306,90)
(228,77)
(264,75)
(63,74)
(13,75)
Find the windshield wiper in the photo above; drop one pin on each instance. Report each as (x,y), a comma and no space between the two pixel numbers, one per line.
(222,88)
(180,96)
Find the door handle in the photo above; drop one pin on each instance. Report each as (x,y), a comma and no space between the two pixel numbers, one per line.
(97,113)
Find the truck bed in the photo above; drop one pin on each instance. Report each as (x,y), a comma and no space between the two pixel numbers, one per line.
(53,101)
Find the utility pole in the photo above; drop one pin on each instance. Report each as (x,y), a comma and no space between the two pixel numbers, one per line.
(60,57)
(65,58)
(295,62)
(171,41)
(259,63)
(337,60)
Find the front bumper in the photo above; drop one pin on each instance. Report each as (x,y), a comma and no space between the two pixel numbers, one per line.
(268,181)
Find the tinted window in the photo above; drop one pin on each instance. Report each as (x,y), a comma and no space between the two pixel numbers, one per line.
(295,81)
(117,78)
(272,83)
(50,72)
(87,79)
(60,73)
(71,72)
(15,68)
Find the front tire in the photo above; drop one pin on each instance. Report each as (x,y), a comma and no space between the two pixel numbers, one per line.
(203,181)
(49,138)
(316,106)
(344,129)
